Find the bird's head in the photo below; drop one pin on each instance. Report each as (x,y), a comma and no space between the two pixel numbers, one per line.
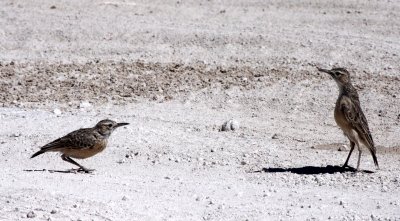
(340,75)
(106,127)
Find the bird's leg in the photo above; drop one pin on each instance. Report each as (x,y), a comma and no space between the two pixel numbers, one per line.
(359,158)
(352,144)
(81,168)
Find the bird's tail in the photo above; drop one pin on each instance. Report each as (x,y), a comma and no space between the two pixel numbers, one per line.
(38,153)
(373,153)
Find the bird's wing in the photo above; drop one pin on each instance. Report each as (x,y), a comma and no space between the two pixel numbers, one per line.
(356,117)
(79,139)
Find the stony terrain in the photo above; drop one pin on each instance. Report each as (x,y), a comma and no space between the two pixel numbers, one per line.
(177,70)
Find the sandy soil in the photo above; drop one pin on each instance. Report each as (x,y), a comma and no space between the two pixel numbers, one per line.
(177,70)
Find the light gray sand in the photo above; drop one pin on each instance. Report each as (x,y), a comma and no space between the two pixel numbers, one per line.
(177,70)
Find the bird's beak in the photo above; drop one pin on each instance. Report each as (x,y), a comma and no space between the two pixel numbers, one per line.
(325,70)
(120,124)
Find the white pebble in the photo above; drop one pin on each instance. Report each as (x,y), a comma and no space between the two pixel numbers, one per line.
(84,104)
(57,112)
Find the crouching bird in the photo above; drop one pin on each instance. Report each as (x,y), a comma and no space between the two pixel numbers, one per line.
(82,143)
(350,117)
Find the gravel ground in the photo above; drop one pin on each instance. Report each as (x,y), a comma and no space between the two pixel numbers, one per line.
(177,70)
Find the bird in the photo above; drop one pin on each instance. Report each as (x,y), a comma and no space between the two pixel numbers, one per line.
(350,117)
(82,143)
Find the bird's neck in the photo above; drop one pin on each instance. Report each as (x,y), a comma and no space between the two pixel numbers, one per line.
(347,90)
(102,134)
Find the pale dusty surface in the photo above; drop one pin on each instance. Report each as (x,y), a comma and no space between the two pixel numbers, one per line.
(177,70)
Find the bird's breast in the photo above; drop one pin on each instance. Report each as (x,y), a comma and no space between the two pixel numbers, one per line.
(86,152)
(341,120)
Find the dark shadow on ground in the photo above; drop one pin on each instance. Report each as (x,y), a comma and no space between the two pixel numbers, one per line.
(309,170)
(58,171)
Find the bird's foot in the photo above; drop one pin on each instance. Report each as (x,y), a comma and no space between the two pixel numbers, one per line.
(346,167)
(85,170)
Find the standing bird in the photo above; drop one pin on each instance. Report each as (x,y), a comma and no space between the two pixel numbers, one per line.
(349,116)
(82,143)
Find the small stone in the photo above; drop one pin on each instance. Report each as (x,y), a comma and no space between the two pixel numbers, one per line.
(343,148)
(31,215)
(198,198)
(53,7)
(53,211)
(275,136)
(124,198)
(167,178)
(57,112)
(15,135)
(243,162)
(84,105)
(234,125)
(230,125)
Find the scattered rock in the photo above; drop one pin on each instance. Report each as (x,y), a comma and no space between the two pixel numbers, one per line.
(121,161)
(57,112)
(275,136)
(343,148)
(230,125)
(15,135)
(53,211)
(31,215)
(84,105)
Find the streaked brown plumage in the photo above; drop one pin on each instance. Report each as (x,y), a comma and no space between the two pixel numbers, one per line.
(82,143)
(349,115)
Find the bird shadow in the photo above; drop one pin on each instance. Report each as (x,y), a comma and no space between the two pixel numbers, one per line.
(75,171)
(310,170)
